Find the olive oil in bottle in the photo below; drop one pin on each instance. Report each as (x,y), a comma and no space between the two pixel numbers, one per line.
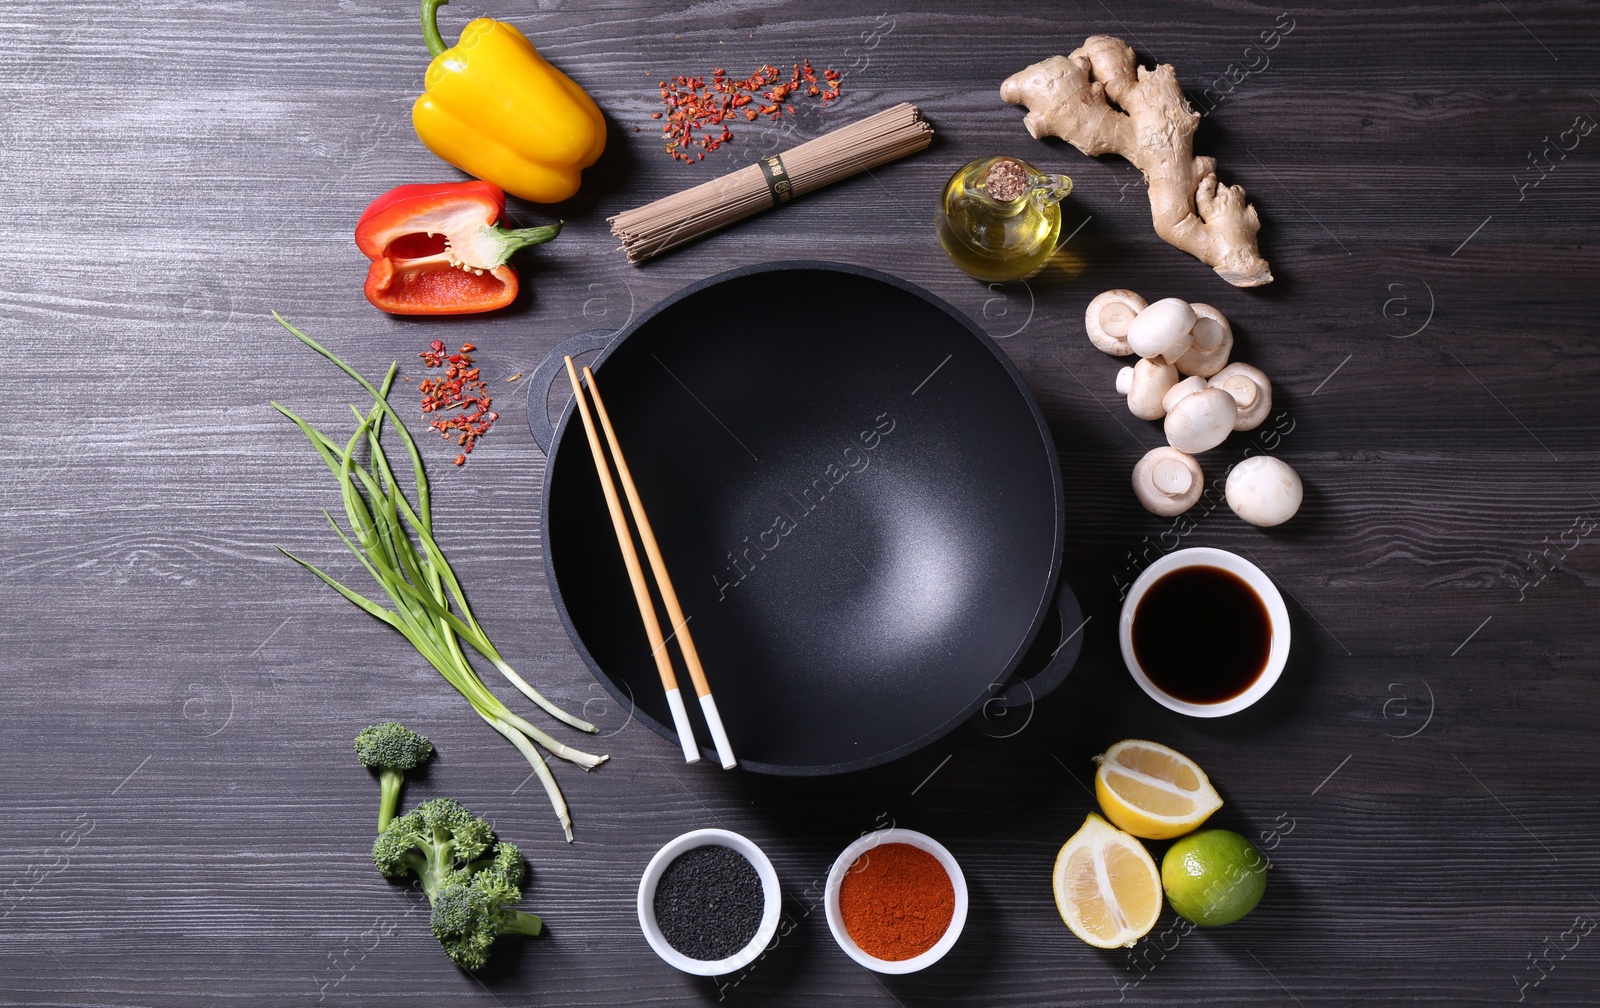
(999,218)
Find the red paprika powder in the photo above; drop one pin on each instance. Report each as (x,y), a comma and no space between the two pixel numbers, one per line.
(896,901)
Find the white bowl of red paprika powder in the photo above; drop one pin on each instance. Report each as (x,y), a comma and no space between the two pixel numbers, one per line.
(896,901)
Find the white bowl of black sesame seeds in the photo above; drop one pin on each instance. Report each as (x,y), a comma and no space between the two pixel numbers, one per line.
(708,902)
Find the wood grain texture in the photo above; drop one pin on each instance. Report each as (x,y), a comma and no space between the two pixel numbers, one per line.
(183,821)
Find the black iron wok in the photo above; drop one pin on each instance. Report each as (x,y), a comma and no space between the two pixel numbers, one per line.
(858,500)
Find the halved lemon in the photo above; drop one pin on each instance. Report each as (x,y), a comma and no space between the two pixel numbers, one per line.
(1153,791)
(1107,887)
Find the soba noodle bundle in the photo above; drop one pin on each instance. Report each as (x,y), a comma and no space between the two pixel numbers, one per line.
(682,217)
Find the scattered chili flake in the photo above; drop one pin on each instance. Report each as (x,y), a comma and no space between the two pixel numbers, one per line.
(460,390)
(695,107)
(514,377)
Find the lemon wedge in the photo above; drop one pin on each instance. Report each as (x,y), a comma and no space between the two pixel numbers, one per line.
(1106,885)
(1153,791)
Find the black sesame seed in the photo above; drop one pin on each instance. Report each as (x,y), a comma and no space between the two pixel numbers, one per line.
(708,903)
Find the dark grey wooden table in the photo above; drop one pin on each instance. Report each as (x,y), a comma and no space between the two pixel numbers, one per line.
(182,819)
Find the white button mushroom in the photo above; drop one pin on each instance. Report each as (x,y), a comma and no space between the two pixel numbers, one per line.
(1162,330)
(1264,491)
(1167,481)
(1212,343)
(1148,382)
(1189,386)
(1108,317)
(1250,389)
(1201,421)
(1125,381)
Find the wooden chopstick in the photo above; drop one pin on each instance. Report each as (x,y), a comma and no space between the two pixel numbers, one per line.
(641,592)
(658,567)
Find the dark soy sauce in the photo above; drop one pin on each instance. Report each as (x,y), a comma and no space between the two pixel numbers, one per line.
(1202,634)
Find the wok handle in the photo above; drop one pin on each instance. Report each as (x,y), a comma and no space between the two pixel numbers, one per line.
(1069,644)
(545,375)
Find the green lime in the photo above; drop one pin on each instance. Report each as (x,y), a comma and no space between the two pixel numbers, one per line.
(1214,876)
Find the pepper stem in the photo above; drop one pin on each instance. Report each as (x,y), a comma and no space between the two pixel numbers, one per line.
(430,26)
(491,245)
(512,239)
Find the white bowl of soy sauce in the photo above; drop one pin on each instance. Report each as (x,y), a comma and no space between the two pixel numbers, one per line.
(709,902)
(1204,632)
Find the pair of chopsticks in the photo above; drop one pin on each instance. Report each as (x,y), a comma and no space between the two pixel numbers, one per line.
(641,591)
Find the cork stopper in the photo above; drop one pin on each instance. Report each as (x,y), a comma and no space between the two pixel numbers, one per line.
(1006,180)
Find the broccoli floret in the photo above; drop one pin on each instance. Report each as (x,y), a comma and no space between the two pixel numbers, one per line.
(500,876)
(391,749)
(470,879)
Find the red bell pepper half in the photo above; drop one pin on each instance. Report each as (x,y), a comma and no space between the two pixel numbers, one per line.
(440,250)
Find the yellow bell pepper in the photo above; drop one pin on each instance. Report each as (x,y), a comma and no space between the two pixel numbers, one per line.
(493,107)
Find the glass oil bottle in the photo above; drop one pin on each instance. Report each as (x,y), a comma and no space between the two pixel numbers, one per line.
(1000,217)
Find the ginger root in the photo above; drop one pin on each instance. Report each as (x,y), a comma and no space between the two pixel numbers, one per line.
(1102,102)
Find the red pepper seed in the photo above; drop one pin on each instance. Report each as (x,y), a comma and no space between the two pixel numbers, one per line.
(692,104)
(462,391)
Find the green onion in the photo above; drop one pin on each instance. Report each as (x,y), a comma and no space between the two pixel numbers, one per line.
(430,608)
